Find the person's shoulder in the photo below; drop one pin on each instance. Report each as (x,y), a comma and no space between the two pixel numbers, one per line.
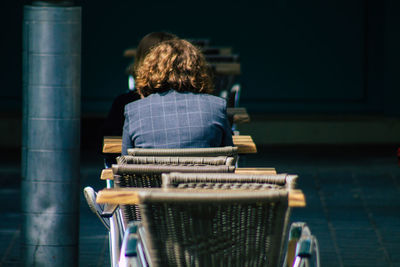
(216,100)
(138,104)
(130,107)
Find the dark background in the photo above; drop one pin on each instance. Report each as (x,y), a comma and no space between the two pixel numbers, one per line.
(298,57)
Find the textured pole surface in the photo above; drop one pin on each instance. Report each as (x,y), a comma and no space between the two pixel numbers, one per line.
(51,135)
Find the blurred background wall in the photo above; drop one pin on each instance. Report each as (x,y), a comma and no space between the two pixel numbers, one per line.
(313,72)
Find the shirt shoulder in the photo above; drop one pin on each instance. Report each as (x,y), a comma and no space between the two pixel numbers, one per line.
(215,103)
(138,104)
(215,99)
(210,99)
(154,99)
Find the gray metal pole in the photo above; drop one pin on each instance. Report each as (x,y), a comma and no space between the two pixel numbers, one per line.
(51,133)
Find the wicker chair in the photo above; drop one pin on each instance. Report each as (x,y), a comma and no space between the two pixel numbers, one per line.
(234,181)
(302,246)
(211,227)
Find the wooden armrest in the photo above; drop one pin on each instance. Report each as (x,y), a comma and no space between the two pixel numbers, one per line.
(117,196)
(225,50)
(297,198)
(107,174)
(131,52)
(131,197)
(245,144)
(255,171)
(236,111)
(227,68)
(241,118)
(239,115)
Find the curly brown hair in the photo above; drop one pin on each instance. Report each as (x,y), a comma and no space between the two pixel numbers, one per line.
(174,64)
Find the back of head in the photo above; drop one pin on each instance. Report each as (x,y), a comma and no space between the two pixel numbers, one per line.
(175,64)
(150,40)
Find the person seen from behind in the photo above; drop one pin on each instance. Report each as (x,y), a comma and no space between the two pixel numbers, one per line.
(177,109)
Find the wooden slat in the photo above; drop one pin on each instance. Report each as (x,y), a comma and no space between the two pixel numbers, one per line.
(297,199)
(255,171)
(131,52)
(121,196)
(112,148)
(227,68)
(107,174)
(241,118)
(117,196)
(116,139)
(236,111)
(245,144)
(225,51)
(239,115)
(243,138)
(236,138)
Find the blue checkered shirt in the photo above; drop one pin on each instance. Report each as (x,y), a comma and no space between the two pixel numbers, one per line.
(176,120)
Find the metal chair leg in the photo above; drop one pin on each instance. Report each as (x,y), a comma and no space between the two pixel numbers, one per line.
(114,241)
(302,247)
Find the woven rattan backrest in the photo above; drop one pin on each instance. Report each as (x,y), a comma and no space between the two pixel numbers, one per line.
(214,227)
(149,175)
(189,161)
(186,152)
(234,181)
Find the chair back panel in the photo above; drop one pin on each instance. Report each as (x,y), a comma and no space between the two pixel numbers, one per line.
(194,232)
(185,152)
(234,181)
(188,161)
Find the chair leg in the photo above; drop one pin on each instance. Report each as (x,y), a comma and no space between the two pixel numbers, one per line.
(114,241)
(132,253)
(302,247)
(307,252)
(294,236)
(114,234)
